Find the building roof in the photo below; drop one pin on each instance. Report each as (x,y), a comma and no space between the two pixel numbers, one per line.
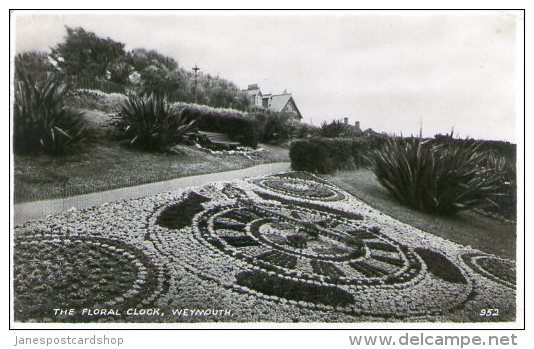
(275,103)
(278,102)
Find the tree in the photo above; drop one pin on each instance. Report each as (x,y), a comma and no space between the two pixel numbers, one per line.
(140,59)
(84,53)
(160,75)
(119,72)
(220,93)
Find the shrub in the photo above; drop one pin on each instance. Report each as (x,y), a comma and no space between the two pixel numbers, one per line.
(149,122)
(326,155)
(95,99)
(335,129)
(274,127)
(41,122)
(504,202)
(433,176)
(33,63)
(237,125)
(505,149)
(303,130)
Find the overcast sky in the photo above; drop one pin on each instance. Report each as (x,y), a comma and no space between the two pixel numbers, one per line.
(388,71)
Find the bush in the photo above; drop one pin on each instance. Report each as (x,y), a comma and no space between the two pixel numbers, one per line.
(237,125)
(274,127)
(96,100)
(149,122)
(326,155)
(505,149)
(41,122)
(504,202)
(33,63)
(433,176)
(336,129)
(303,130)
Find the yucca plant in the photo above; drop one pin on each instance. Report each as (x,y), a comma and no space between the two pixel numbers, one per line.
(41,122)
(149,122)
(504,201)
(432,176)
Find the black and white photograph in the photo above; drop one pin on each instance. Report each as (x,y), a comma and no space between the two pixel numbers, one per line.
(267,169)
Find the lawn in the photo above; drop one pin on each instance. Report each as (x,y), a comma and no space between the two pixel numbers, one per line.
(467,228)
(107,165)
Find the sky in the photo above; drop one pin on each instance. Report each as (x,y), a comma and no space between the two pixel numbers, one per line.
(392,72)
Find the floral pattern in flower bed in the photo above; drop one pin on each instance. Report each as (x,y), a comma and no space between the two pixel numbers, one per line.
(283,248)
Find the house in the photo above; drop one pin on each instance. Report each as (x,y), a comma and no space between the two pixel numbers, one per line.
(354,128)
(254,94)
(280,103)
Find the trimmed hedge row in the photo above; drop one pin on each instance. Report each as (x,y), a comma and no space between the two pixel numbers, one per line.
(95,99)
(235,124)
(326,155)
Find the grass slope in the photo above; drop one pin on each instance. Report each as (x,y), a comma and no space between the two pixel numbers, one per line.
(108,165)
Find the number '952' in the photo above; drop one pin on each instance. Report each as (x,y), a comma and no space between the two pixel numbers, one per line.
(489,312)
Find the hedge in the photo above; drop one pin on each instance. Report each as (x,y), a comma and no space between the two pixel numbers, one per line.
(326,155)
(95,99)
(233,123)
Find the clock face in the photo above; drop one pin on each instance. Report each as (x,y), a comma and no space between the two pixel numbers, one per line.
(306,244)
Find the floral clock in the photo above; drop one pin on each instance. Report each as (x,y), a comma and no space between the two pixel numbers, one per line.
(286,247)
(282,248)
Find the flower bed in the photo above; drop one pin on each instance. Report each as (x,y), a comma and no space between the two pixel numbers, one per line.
(283,248)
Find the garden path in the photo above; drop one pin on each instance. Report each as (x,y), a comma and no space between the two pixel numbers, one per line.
(40,209)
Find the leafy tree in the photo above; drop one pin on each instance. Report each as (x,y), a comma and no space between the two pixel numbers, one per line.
(84,53)
(160,75)
(242,102)
(220,93)
(141,58)
(119,72)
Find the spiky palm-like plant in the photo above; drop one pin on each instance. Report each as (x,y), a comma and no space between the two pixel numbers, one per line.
(437,177)
(149,122)
(41,123)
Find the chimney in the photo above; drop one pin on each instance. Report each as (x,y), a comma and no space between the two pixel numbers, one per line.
(346,121)
(357,124)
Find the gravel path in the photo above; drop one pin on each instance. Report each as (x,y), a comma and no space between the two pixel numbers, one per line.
(40,209)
